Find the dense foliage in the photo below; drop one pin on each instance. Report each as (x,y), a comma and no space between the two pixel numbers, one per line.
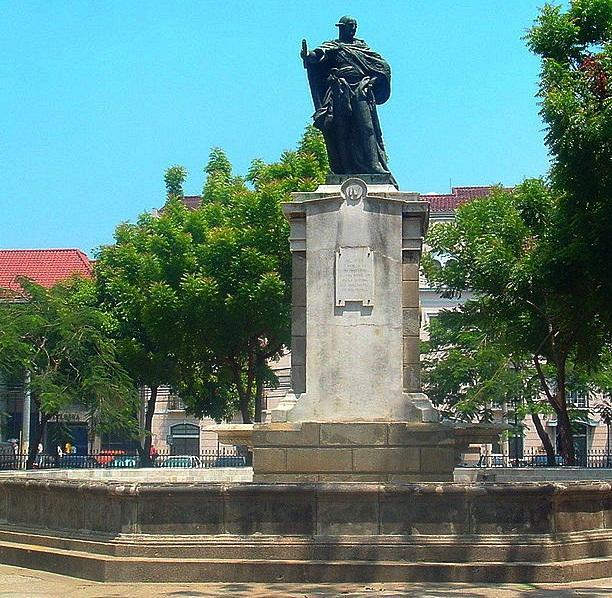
(504,248)
(575,46)
(59,341)
(201,296)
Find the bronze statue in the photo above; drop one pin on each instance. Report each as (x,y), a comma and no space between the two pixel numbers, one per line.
(347,80)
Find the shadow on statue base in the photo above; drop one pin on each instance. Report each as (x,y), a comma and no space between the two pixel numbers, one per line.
(372,451)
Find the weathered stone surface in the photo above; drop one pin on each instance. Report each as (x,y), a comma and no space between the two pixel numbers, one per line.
(270,459)
(353,434)
(282,434)
(412,349)
(327,531)
(347,515)
(579,515)
(352,348)
(410,271)
(385,459)
(411,321)
(419,435)
(437,460)
(410,294)
(303,460)
(411,375)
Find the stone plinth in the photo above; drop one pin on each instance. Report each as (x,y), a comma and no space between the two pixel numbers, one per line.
(355,321)
(360,451)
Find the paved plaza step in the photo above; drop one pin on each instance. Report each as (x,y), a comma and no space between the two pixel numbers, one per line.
(234,559)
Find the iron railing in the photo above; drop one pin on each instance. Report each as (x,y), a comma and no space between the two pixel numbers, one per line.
(595,459)
(113,459)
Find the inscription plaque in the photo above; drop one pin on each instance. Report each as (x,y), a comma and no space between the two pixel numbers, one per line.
(354,275)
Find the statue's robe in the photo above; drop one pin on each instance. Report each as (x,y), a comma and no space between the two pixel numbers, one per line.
(345,105)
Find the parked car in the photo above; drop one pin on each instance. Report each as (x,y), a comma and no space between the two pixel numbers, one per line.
(77,462)
(124,461)
(178,461)
(230,461)
(107,456)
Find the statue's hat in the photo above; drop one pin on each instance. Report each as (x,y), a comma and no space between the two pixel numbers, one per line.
(345,20)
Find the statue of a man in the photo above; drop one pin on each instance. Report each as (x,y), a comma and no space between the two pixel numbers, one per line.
(347,81)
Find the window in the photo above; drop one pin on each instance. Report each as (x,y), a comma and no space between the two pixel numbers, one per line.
(175,403)
(578,399)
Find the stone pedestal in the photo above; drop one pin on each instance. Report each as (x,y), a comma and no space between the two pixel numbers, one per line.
(356,321)
(356,411)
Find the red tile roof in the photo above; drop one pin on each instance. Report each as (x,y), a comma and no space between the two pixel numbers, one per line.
(448,202)
(44,266)
(192,201)
(439,202)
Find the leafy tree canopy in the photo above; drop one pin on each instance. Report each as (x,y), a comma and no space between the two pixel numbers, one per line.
(504,249)
(62,340)
(575,46)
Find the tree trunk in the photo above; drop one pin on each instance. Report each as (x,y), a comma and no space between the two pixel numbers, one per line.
(33,449)
(546,443)
(566,439)
(260,362)
(564,428)
(145,444)
(243,394)
(244,408)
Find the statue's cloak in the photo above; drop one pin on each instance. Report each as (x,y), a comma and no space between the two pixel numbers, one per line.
(356,55)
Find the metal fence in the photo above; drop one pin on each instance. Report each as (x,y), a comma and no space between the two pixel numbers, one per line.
(125,459)
(594,459)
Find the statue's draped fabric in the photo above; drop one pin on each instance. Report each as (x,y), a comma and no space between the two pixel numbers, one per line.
(347,82)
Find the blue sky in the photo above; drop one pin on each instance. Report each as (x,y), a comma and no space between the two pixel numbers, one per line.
(98,98)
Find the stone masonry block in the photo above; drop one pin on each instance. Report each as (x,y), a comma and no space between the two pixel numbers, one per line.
(384,459)
(437,460)
(269,459)
(353,434)
(298,228)
(298,292)
(419,435)
(298,264)
(353,477)
(304,460)
(410,272)
(298,321)
(307,435)
(410,293)
(411,228)
(298,378)
(298,350)
(285,478)
(412,349)
(411,321)
(412,377)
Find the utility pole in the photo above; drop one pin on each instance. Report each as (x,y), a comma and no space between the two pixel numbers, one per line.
(27,413)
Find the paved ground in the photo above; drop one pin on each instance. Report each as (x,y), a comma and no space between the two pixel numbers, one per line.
(17,582)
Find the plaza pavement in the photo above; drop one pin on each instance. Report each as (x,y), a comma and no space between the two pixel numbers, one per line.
(18,582)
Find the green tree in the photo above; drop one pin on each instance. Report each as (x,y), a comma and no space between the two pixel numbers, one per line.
(575,46)
(136,278)
(245,262)
(202,297)
(61,339)
(505,249)
(468,374)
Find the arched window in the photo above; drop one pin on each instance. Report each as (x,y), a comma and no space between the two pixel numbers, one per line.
(185,439)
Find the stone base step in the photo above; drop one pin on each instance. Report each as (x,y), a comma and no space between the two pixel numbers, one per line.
(254,561)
